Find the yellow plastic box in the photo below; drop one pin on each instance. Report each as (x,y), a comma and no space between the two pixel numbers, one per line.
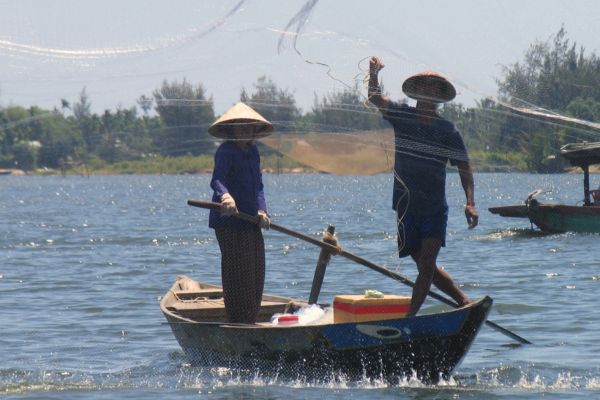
(358,308)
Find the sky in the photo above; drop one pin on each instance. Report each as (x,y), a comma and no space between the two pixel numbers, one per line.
(120,50)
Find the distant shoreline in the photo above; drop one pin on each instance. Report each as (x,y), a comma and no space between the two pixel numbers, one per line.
(72,172)
(294,170)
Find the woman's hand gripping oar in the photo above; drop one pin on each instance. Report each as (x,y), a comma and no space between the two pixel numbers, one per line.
(337,250)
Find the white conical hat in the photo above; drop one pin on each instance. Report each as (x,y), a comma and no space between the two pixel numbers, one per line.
(429,85)
(240,114)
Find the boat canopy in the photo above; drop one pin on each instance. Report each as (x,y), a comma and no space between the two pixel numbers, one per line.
(581,154)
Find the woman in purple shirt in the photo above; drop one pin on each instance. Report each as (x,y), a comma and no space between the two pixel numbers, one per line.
(237,184)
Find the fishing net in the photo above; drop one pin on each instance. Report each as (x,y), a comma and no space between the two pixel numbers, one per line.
(141,83)
(350,153)
(133,86)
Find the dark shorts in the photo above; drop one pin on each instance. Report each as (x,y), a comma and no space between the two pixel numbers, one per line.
(412,229)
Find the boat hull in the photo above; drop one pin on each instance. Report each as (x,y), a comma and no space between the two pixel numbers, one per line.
(563,218)
(428,347)
(518,211)
(555,217)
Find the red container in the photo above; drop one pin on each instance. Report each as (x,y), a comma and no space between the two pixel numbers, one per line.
(287,319)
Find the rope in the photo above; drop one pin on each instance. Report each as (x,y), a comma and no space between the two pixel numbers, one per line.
(330,238)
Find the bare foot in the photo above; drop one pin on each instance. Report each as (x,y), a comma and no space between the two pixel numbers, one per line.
(465,301)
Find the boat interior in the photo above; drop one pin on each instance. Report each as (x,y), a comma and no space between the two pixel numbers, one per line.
(200,302)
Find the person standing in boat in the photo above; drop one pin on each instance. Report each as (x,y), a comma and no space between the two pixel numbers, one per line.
(424,143)
(237,185)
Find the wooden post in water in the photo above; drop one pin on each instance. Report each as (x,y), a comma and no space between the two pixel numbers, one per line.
(322,262)
(586,185)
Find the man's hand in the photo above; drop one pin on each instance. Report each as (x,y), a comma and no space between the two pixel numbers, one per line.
(374,92)
(263,220)
(375,65)
(472,216)
(228,206)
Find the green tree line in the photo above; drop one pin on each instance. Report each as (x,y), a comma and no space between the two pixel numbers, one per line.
(554,75)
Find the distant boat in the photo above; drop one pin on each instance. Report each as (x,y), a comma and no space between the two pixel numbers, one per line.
(561,217)
(427,346)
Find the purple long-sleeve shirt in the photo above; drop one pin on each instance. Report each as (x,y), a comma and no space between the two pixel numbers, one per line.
(238,173)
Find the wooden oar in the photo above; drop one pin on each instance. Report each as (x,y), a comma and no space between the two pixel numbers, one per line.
(335,250)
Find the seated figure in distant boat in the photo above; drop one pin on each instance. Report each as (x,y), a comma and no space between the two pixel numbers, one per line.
(237,184)
(424,143)
(596,196)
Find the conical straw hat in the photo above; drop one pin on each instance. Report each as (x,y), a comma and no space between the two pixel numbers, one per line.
(429,86)
(240,114)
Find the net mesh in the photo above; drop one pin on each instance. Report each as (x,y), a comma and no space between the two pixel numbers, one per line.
(135,85)
(148,86)
(348,153)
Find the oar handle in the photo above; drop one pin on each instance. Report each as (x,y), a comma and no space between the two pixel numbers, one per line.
(216,206)
(211,205)
(335,250)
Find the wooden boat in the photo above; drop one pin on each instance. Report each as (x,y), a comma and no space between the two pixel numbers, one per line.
(428,347)
(562,217)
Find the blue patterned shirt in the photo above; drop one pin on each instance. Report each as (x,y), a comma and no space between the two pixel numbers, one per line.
(423,147)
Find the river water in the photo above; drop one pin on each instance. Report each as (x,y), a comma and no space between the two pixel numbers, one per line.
(85,261)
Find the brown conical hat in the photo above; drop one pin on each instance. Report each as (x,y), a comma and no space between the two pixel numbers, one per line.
(430,86)
(240,114)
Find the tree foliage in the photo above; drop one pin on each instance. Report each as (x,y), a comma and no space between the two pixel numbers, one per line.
(275,104)
(186,114)
(344,110)
(555,75)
